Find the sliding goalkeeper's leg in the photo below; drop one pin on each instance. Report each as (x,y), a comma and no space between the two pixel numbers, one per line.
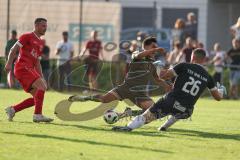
(168,123)
(108,97)
(78,98)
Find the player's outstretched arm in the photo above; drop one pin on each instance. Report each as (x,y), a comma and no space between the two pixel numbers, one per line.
(169,74)
(218,92)
(147,53)
(12,55)
(216,95)
(167,86)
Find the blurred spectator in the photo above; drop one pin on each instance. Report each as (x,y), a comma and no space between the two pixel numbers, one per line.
(234,55)
(201,45)
(65,53)
(45,63)
(161,57)
(191,26)
(195,43)
(172,57)
(218,61)
(178,32)
(186,52)
(235,29)
(140,37)
(94,46)
(9,45)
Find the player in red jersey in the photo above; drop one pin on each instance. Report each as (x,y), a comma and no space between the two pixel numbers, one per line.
(28,71)
(94,46)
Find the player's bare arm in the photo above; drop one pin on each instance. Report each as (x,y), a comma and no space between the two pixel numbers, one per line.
(12,55)
(167,86)
(216,95)
(218,92)
(168,75)
(148,53)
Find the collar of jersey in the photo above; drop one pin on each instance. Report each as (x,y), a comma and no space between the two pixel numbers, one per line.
(36,36)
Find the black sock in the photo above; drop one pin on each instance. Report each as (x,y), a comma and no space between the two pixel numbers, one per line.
(95,98)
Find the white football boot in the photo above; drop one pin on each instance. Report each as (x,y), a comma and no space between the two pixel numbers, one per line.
(10,113)
(41,118)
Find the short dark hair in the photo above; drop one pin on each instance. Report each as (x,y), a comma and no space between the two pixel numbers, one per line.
(149,40)
(37,20)
(199,53)
(14,32)
(65,33)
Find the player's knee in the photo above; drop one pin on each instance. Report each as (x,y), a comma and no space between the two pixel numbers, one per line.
(42,87)
(39,85)
(104,99)
(145,106)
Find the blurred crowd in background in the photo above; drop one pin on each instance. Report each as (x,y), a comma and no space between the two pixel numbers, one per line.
(184,40)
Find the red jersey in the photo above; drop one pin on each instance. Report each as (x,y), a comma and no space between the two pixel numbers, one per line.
(94,48)
(31,48)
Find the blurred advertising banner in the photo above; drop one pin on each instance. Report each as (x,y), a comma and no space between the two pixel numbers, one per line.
(63,15)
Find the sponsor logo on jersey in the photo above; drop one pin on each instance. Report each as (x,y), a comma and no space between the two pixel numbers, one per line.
(34,53)
(179,107)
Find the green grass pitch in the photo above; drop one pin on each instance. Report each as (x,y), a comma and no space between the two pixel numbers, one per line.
(213,133)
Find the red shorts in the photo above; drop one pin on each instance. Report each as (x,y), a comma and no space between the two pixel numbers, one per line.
(26,76)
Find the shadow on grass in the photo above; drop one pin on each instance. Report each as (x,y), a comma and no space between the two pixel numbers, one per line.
(155,133)
(108,129)
(185,132)
(85,141)
(194,133)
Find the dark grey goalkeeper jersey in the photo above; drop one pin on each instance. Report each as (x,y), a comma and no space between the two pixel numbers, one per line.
(191,81)
(141,71)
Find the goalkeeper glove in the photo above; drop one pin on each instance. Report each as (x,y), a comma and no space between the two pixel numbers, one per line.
(221,89)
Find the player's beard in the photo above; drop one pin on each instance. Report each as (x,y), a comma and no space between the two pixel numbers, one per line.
(43,32)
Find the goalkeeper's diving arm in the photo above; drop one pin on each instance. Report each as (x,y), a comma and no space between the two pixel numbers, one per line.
(218,92)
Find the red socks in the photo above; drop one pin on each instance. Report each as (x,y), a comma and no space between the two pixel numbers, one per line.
(24,104)
(38,100)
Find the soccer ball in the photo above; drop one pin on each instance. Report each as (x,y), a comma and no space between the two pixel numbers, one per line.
(110,117)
